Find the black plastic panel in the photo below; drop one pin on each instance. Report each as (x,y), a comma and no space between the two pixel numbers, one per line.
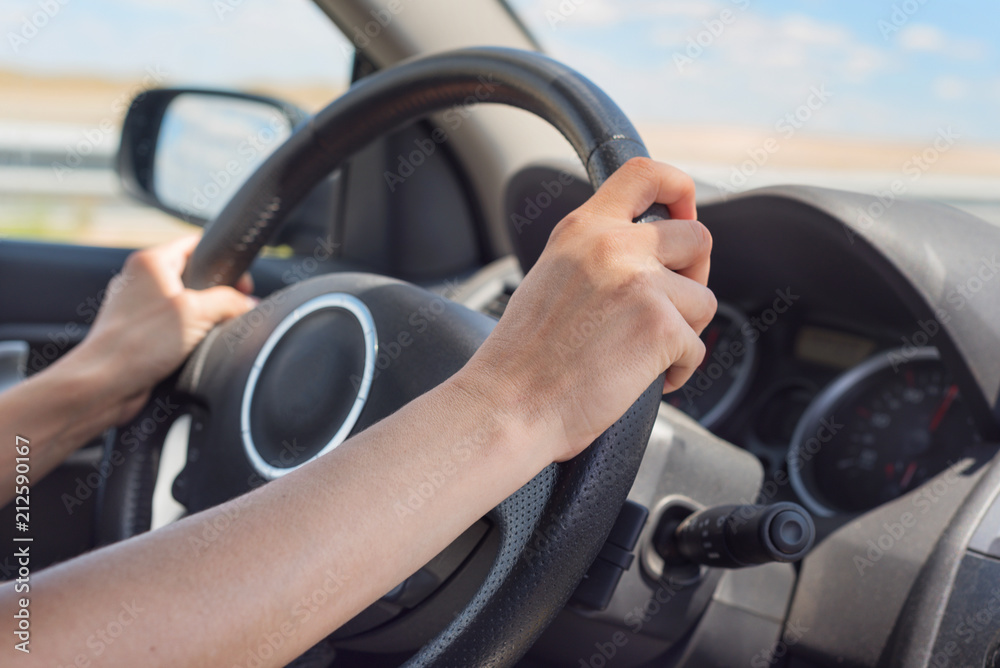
(970,629)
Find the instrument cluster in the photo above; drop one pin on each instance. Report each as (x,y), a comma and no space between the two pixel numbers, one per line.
(851,421)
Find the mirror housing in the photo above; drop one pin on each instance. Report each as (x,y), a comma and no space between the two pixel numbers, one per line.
(186,151)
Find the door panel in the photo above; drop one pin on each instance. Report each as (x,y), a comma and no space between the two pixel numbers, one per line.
(49,294)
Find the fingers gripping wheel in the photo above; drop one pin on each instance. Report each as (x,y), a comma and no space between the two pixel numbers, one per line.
(552,529)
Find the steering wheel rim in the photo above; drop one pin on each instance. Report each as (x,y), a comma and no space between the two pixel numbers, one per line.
(553,528)
(600,133)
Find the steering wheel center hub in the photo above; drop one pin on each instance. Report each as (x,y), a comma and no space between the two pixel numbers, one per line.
(328,346)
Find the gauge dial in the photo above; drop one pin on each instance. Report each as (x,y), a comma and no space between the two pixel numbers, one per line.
(724,375)
(879,431)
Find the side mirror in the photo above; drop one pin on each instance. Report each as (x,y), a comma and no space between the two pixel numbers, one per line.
(187,151)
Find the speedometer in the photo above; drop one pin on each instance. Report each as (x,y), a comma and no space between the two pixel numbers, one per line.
(878,431)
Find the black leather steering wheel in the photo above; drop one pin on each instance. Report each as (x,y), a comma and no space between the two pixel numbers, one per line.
(572,505)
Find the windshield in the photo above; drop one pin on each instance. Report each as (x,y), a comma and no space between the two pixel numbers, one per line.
(879,97)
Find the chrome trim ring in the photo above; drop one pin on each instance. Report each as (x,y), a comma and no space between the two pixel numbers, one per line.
(337,300)
(825,401)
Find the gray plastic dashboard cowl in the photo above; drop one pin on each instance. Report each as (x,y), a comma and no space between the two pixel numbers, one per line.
(948,258)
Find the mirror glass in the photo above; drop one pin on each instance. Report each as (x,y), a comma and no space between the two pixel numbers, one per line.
(208,146)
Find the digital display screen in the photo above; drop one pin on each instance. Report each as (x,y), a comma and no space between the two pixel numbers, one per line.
(832,348)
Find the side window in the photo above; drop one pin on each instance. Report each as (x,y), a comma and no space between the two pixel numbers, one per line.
(68,72)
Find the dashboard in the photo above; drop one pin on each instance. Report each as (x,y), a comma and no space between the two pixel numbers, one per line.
(842,419)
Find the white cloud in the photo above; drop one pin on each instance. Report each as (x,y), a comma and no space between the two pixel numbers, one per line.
(930,39)
(807,30)
(596,12)
(690,9)
(922,37)
(557,14)
(950,88)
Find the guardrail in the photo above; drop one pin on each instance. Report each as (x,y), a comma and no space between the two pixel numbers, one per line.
(57,159)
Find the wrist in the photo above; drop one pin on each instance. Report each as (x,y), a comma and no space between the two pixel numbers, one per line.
(520,426)
(61,409)
(90,378)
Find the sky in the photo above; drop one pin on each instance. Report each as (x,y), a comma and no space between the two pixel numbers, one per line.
(203,42)
(892,69)
(898,69)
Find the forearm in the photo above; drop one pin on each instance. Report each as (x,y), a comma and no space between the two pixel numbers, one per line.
(55,411)
(299,556)
(147,326)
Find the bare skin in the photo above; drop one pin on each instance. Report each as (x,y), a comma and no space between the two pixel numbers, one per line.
(297,559)
(107,378)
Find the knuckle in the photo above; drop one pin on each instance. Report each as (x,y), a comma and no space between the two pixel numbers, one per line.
(139,260)
(707,304)
(648,237)
(180,303)
(572,221)
(641,167)
(607,248)
(680,341)
(640,284)
(666,323)
(702,238)
(685,184)
(698,348)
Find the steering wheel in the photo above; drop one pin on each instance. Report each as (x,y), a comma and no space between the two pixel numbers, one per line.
(254,384)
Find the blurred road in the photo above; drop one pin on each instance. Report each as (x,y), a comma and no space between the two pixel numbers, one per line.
(57,179)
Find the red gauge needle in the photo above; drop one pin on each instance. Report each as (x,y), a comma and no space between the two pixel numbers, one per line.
(942,409)
(908,475)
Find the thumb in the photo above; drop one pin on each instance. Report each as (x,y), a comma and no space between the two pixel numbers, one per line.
(223,302)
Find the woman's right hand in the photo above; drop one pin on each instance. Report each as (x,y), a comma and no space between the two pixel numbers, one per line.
(608,307)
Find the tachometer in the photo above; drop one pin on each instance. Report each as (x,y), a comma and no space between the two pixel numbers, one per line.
(724,375)
(878,431)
